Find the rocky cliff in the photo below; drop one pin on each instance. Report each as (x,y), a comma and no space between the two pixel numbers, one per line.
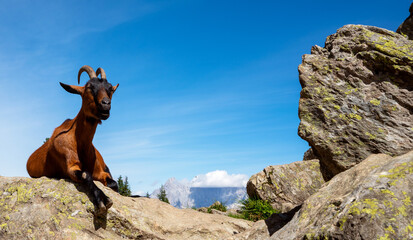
(356,110)
(357,97)
(58,209)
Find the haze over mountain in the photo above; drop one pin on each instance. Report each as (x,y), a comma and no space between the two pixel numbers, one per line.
(203,190)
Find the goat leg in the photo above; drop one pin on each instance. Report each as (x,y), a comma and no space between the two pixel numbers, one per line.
(110,182)
(103,203)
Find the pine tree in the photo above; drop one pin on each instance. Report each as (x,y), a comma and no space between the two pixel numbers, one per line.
(162,195)
(126,190)
(147,195)
(123,186)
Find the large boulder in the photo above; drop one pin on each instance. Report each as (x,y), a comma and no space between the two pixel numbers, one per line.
(372,200)
(406,28)
(286,186)
(357,97)
(58,209)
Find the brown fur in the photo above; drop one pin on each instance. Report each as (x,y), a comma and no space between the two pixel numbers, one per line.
(70,149)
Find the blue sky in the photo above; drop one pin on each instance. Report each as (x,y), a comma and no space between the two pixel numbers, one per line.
(204,85)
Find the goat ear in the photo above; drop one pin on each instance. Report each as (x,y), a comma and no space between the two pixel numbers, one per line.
(115,87)
(73,89)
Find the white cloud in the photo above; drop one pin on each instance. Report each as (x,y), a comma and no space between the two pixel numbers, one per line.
(219,178)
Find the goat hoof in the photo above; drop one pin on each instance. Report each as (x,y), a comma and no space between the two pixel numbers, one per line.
(101,209)
(109,203)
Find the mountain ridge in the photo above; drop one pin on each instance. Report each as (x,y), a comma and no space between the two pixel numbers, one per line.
(182,195)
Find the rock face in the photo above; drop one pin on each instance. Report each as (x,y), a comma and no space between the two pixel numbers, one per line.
(58,209)
(373,200)
(406,28)
(357,97)
(286,186)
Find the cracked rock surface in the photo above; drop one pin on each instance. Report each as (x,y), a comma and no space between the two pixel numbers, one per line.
(357,97)
(45,208)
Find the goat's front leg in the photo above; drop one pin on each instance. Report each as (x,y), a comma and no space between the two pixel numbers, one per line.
(102,202)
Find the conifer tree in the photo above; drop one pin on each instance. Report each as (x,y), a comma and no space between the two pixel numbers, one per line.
(162,195)
(123,186)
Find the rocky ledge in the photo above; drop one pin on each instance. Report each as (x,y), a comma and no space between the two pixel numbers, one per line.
(59,209)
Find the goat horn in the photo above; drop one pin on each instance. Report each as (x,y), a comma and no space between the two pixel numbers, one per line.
(101,72)
(89,71)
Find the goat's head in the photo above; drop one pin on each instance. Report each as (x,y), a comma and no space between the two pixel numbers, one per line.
(96,94)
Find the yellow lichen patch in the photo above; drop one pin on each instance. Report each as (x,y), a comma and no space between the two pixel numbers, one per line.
(321,91)
(355,108)
(407,201)
(402,211)
(23,194)
(390,229)
(338,151)
(385,237)
(337,107)
(55,220)
(3,225)
(375,102)
(350,90)
(408,229)
(126,209)
(276,186)
(399,172)
(329,99)
(355,116)
(387,191)
(367,206)
(388,203)
(371,136)
(343,116)
(307,117)
(304,215)
(76,226)
(390,48)
(342,222)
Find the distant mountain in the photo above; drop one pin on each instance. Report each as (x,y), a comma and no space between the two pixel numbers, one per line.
(205,197)
(177,192)
(182,195)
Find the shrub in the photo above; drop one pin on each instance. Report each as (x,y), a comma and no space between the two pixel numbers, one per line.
(218,206)
(256,209)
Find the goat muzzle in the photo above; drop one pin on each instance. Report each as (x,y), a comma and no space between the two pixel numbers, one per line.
(104,108)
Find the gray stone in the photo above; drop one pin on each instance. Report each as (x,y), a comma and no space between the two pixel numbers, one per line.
(286,186)
(357,97)
(372,200)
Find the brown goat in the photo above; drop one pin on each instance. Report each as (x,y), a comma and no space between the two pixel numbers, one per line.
(69,153)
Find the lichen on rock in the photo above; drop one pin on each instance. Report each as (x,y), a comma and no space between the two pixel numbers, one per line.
(357,97)
(286,186)
(372,200)
(60,209)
